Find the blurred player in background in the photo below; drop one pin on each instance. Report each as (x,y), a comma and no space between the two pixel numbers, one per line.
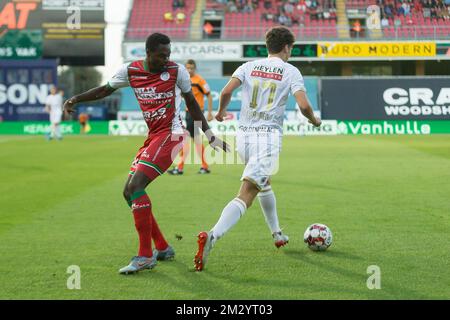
(54,107)
(266,87)
(200,89)
(158,85)
(83,119)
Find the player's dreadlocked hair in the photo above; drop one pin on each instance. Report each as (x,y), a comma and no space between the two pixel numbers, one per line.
(277,38)
(154,40)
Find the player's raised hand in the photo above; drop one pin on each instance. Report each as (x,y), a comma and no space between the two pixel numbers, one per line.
(219,143)
(69,106)
(220,116)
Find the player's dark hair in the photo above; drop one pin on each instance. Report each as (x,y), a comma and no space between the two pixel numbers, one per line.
(190,61)
(277,38)
(154,40)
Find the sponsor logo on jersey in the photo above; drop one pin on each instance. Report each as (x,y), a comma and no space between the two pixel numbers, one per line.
(139,206)
(266,72)
(138,77)
(150,93)
(157,114)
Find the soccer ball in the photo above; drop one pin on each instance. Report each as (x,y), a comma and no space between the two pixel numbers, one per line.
(318,237)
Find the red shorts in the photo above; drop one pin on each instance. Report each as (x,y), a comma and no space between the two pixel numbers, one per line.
(157,154)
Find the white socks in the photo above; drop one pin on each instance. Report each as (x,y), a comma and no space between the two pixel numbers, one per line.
(55,131)
(268,204)
(230,216)
(236,208)
(58,131)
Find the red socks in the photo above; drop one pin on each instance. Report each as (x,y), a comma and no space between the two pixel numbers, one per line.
(146,225)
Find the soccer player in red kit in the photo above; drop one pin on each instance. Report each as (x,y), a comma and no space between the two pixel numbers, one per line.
(158,85)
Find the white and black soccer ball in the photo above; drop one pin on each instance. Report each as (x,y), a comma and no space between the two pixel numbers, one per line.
(318,237)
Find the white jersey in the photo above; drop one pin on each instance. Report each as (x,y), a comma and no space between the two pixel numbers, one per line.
(266,87)
(55,103)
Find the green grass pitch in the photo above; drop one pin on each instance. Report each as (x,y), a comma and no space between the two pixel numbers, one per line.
(386,199)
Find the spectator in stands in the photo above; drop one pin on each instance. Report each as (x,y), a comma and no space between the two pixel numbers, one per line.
(208,28)
(400,11)
(388,11)
(178,4)
(333,15)
(406,8)
(288,8)
(356,29)
(301,6)
(433,12)
(248,8)
(231,6)
(418,6)
(255,4)
(442,11)
(384,22)
(319,12)
(284,20)
(241,4)
(267,4)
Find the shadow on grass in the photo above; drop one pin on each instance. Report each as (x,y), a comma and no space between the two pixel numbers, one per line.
(323,260)
(183,280)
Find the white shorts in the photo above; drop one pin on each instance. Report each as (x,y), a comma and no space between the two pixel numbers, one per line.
(55,117)
(260,155)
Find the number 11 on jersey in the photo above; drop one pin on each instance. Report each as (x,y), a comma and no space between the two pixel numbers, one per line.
(255,92)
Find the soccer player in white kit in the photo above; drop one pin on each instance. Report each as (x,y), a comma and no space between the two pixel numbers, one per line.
(54,106)
(266,87)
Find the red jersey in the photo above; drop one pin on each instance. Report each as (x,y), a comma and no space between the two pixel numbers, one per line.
(156,93)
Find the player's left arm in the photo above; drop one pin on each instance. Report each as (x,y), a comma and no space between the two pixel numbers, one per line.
(306,108)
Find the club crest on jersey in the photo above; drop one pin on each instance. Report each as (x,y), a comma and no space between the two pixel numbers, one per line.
(165,76)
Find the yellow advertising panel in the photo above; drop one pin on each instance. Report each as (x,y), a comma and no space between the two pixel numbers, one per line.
(375,49)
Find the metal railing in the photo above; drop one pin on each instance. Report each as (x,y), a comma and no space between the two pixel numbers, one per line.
(303,33)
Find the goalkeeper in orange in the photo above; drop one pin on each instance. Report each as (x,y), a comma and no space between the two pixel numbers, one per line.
(200,89)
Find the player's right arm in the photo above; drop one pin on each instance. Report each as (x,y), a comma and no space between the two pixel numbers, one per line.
(225,97)
(90,95)
(119,80)
(305,108)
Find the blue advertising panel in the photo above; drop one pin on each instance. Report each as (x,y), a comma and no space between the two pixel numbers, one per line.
(311,83)
(24,86)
